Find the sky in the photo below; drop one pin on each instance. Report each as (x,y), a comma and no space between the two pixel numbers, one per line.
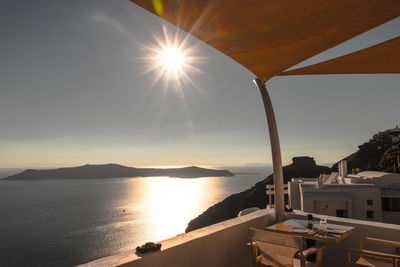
(74,90)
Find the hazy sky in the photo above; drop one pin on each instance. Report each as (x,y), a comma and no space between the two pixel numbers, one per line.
(72,91)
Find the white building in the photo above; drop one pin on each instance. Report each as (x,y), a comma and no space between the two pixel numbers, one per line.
(369,195)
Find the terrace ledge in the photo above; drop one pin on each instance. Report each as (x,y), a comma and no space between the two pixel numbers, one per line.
(224,243)
(129,258)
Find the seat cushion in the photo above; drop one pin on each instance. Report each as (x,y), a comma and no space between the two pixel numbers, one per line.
(373,262)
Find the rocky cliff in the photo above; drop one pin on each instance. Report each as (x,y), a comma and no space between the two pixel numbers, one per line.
(380,153)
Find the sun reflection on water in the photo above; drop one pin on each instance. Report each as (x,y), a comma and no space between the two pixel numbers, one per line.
(170,203)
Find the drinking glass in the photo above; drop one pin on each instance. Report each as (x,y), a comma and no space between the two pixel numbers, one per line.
(323,226)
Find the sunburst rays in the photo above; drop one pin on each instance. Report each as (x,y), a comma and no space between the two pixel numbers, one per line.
(171,60)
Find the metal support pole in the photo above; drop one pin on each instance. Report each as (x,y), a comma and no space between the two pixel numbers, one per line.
(275,149)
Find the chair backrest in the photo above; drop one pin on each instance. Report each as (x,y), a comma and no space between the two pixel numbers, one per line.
(276,238)
(275,255)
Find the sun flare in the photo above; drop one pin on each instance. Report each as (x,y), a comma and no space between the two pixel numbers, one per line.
(171,58)
(172,61)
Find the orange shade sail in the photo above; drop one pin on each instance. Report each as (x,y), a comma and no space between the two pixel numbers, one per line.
(270,36)
(381,58)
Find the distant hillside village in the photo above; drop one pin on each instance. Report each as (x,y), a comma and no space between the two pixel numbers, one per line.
(380,153)
(390,160)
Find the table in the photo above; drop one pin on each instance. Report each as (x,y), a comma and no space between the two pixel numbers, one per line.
(288,226)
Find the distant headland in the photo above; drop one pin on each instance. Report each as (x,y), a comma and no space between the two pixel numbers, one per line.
(115,171)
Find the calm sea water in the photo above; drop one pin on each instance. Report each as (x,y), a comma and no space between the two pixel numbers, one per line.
(69,222)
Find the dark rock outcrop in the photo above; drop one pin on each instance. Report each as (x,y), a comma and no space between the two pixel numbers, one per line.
(115,171)
(255,196)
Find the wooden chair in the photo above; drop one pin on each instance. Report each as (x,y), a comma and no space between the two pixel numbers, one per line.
(275,249)
(372,258)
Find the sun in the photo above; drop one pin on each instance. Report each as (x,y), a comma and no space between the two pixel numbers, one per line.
(171,59)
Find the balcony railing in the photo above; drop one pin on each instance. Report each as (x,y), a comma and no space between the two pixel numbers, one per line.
(224,244)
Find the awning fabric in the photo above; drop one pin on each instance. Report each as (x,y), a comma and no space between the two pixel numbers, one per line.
(270,36)
(381,58)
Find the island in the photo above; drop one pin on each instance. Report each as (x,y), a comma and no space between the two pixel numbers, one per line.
(116,171)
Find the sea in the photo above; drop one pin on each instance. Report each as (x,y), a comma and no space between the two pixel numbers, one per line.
(70,222)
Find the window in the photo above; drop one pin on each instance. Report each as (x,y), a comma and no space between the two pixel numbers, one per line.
(390,204)
(386,204)
(370,214)
(396,204)
(342,213)
(370,202)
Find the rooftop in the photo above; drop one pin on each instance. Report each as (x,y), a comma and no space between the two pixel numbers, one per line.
(373,174)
